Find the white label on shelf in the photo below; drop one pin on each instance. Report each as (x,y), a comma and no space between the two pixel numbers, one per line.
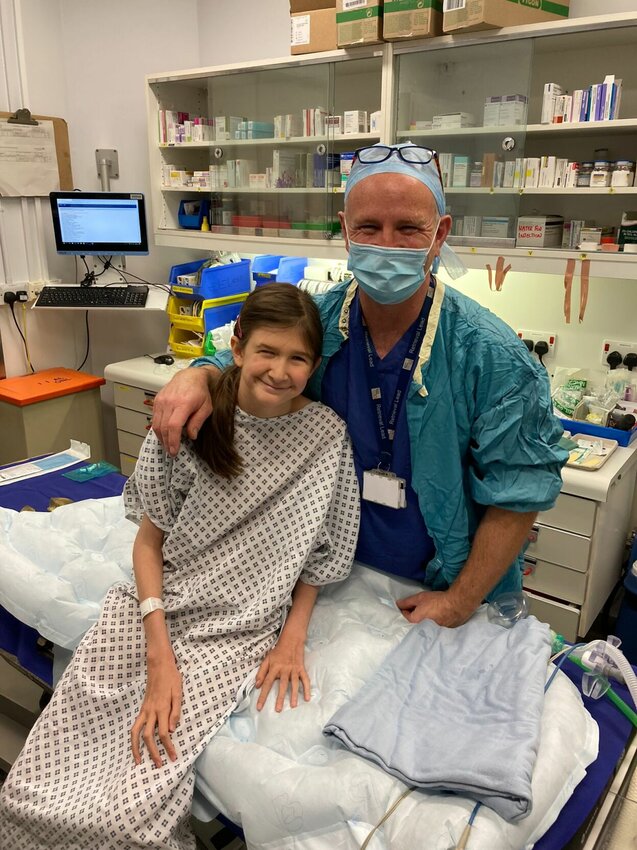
(453,5)
(300,33)
(353,4)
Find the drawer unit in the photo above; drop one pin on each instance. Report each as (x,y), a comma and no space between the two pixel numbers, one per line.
(563,619)
(133,421)
(133,398)
(552,580)
(127,464)
(129,444)
(571,513)
(559,547)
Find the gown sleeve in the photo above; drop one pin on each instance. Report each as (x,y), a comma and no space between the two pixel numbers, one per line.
(333,555)
(154,487)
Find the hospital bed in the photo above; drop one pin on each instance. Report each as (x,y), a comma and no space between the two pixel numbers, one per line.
(266,772)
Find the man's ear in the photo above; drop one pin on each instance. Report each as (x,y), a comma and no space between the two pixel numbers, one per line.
(237,350)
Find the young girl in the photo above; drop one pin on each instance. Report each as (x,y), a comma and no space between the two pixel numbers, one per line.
(260,511)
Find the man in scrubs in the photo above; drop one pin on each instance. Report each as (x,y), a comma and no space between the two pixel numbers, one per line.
(455,444)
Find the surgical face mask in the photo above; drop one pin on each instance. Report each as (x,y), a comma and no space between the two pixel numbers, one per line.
(388,275)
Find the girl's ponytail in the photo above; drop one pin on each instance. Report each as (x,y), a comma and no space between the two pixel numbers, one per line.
(215,440)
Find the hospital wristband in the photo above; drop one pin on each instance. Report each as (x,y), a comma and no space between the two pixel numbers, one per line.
(149,605)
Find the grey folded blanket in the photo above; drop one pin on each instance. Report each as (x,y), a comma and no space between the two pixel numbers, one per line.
(456,710)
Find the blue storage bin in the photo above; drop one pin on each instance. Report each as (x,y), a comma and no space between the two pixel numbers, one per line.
(193,222)
(291,269)
(216,281)
(623,438)
(216,317)
(265,267)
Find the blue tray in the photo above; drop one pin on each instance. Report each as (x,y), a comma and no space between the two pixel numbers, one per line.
(624,438)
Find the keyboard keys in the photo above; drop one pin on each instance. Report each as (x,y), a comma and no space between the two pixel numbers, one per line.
(93,296)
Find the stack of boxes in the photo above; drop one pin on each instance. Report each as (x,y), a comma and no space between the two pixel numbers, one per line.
(458,15)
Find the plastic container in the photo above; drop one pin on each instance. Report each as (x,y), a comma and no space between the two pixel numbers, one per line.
(291,269)
(584,174)
(623,174)
(208,314)
(624,438)
(179,342)
(216,281)
(601,174)
(193,222)
(264,268)
(222,311)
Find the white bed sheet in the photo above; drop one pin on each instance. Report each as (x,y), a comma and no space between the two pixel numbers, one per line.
(276,775)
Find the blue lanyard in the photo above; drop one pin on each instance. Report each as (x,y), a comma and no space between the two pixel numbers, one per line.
(387,429)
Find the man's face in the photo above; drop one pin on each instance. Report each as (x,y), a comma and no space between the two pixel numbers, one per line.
(393,211)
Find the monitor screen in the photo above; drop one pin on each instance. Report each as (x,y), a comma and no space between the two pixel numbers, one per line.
(99,223)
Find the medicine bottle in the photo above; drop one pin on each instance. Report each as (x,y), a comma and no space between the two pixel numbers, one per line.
(584,174)
(623,173)
(601,174)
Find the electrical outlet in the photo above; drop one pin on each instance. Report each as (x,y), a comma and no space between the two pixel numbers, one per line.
(624,348)
(548,336)
(34,289)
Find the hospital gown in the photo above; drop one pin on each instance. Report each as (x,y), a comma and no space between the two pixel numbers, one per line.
(233,551)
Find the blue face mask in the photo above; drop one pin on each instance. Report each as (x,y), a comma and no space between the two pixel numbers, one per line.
(388,275)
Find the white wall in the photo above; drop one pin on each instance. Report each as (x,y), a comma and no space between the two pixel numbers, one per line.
(86,61)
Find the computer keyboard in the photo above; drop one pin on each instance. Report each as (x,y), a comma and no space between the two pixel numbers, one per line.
(93,296)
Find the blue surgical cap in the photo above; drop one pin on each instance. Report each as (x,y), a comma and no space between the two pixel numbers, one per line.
(426,174)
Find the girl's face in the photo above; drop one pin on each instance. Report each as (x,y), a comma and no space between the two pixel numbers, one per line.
(276,364)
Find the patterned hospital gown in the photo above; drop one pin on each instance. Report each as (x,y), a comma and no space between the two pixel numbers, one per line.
(233,552)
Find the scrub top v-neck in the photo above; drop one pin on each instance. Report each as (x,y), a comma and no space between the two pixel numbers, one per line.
(393,540)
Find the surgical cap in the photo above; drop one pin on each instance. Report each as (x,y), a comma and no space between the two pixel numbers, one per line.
(427,174)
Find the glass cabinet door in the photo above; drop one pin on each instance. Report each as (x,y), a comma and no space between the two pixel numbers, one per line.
(256,153)
(470,103)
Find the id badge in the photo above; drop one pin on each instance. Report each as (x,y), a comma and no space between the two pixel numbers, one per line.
(384,488)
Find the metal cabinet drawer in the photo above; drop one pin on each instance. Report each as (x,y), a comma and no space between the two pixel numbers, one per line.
(552,580)
(563,619)
(571,513)
(127,464)
(133,398)
(129,444)
(132,421)
(559,547)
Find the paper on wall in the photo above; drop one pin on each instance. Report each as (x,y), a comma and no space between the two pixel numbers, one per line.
(28,160)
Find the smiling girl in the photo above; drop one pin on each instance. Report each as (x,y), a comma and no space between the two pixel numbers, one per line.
(237,533)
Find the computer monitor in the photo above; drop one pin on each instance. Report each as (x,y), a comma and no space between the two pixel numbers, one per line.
(99,223)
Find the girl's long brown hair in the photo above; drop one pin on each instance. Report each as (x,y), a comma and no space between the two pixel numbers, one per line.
(277,305)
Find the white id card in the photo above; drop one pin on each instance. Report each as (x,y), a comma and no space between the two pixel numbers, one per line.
(384,488)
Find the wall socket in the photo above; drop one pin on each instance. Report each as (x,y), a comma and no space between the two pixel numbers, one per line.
(33,288)
(548,336)
(624,348)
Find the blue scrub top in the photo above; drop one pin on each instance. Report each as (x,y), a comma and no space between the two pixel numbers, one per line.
(393,540)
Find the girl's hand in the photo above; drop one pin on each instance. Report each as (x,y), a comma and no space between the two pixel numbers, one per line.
(286,663)
(160,710)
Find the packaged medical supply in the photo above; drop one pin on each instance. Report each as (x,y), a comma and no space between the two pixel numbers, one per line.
(460,175)
(491,113)
(314,30)
(567,396)
(406,19)
(584,174)
(355,121)
(628,231)
(512,110)
(358,22)
(623,174)
(486,14)
(475,176)
(496,226)
(544,231)
(90,471)
(601,174)
(375,120)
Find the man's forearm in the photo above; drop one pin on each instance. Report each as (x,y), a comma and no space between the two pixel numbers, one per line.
(498,540)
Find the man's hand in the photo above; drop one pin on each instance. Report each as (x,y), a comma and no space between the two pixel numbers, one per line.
(183,402)
(437,605)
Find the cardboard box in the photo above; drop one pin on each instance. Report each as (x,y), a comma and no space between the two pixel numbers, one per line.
(541,231)
(304,6)
(466,15)
(313,32)
(411,19)
(358,22)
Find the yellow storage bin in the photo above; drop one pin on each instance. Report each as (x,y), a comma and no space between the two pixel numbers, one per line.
(179,342)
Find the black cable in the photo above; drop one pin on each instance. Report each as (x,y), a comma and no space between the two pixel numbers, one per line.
(137,277)
(88,342)
(24,342)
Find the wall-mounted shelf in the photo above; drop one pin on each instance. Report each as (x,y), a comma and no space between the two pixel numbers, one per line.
(333,138)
